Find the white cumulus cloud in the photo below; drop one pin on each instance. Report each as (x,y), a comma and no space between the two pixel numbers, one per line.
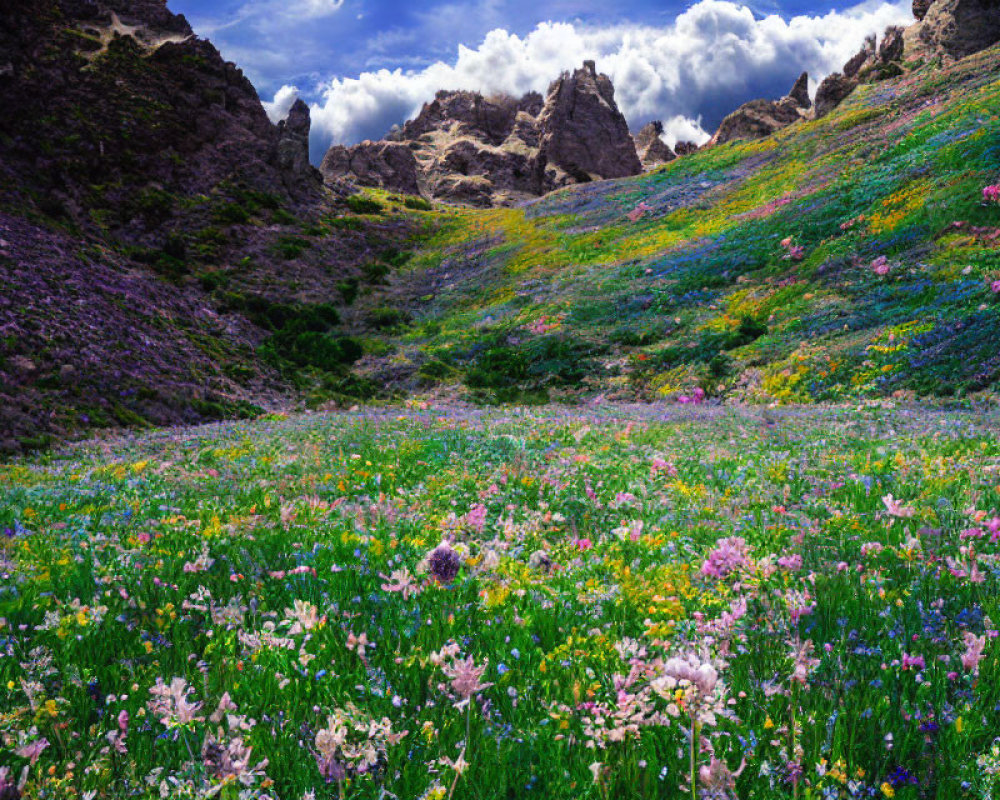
(689,74)
(283,101)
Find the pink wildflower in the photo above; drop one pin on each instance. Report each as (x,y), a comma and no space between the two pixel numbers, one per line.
(476,518)
(465,679)
(792,562)
(401,581)
(660,465)
(637,213)
(991,194)
(729,555)
(358,643)
(974,646)
(880,266)
(804,662)
(170,704)
(896,507)
(913,662)
(32,750)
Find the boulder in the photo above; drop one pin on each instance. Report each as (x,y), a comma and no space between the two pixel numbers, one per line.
(465,113)
(583,132)
(686,148)
(650,147)
(960,28)
(920,8)
(384,165)
(496,175)
(832,92)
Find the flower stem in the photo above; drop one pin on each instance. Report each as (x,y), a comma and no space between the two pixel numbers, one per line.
(695,744)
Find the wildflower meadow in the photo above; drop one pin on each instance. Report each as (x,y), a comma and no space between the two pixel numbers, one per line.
(451,602)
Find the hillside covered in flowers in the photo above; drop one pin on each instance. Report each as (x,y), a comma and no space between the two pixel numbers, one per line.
(854,255)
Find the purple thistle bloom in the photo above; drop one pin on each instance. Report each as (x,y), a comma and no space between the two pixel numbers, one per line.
(444,563)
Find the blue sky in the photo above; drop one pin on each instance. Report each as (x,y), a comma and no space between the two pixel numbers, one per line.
(366,64)
(362,35)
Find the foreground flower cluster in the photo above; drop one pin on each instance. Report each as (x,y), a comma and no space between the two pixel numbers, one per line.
(624,602)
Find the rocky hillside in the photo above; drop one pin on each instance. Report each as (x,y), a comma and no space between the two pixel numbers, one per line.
(467,149)
(166,253)
(852,255)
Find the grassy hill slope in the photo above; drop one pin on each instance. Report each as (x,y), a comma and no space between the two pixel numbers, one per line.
(853,255)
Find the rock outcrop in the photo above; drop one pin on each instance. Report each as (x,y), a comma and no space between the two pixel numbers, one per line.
(293,143)
(863,58)
(832,91)
(800,92)
(686,148)
(650,147)
(483,151)
(920,8)
(760,118)
(958,28)
(583,133)
(117,100)
(139,175)
(385,165)
(874,62)
(893,45)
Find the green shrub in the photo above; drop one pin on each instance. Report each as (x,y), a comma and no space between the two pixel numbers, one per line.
(154,204)
(389,318)
(291,247)
(348,289)
(359,204)
(375,273)
(213,280)
(396,258)
(708,346)
(346,223)
(281,217)
(630,337)
(556,360)
(231,214)
(304,348)
(434,371)
(274,316)
(417,203)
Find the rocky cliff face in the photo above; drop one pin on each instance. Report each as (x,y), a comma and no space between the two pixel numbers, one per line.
(120,94)
(485,151)
(149,211)
(384,165)
(583,133)
(957,28)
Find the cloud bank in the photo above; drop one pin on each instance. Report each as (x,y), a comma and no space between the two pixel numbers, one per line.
(691,73)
